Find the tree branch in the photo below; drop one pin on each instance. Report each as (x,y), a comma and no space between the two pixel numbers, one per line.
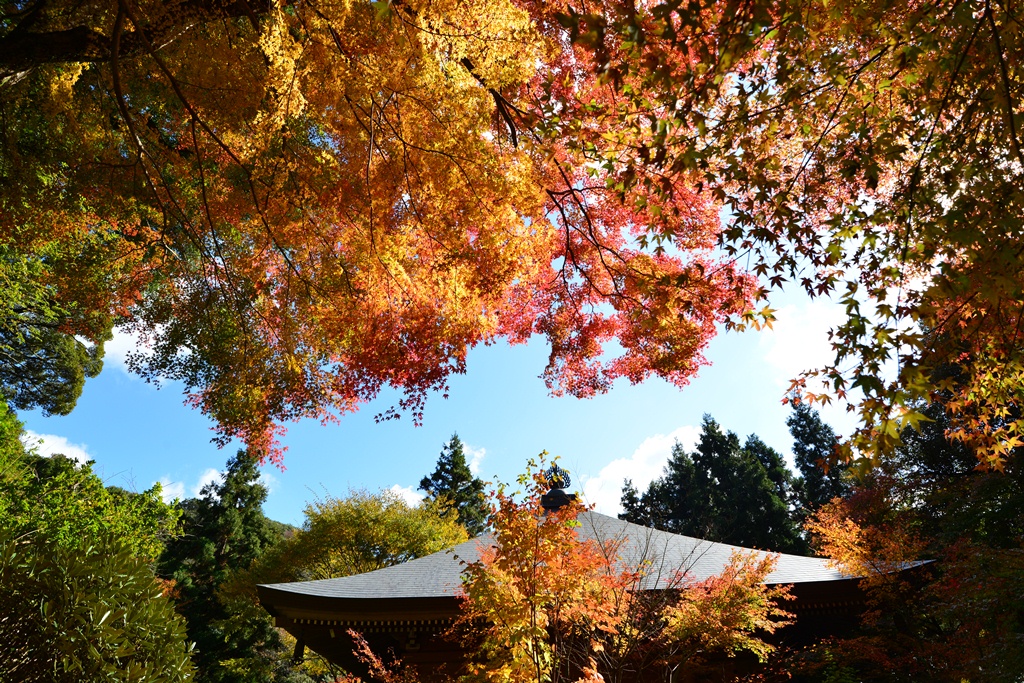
(22,51)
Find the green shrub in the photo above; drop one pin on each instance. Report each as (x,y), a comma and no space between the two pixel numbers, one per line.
(85,614)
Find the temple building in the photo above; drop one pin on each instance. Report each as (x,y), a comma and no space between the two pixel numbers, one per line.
(407,609)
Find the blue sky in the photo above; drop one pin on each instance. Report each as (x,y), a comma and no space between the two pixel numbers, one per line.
(139,434)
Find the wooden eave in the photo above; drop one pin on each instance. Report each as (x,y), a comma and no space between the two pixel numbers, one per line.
(357,613)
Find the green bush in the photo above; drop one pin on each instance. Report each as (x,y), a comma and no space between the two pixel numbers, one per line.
(85,614)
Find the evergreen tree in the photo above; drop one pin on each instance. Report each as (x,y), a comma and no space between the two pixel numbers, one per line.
(814,444)
(224,530)
(43,365)
(674,502)
(722,492)
(785,482)
(766,500)
(634,505)
(453,485)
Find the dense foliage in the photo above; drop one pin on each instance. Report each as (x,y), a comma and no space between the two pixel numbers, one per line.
(89,613)
(78,597)
(452,484)
(298,205)
(958,618)
(68,503)
(356,193)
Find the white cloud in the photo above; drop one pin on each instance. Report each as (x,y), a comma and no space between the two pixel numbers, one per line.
(798,340)
(125,343)
(176,489)
(411,497)
(268,480)
(209,476)
(51,444)
(171,490)
(476,455)
(645,464)
(115,351)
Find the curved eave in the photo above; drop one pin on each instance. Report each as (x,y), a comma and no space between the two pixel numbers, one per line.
(335,611)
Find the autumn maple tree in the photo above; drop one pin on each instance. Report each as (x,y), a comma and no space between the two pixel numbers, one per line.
(959,615)
(865,150)
(299,203)
(545,603)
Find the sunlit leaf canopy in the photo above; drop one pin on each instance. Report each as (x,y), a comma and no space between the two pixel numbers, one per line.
(868,151)
(301,203)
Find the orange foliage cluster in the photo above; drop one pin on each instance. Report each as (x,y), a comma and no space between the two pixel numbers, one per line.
(556,607)
(865,537)
(728,613)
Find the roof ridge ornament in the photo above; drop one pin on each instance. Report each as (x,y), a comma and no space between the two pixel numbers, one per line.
(555,499)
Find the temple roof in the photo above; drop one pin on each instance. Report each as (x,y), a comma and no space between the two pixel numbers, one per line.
(665,554)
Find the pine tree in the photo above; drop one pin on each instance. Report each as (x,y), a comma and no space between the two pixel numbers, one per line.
(224,530)
(814,445)
(674,502)
(453,485)
(722,492)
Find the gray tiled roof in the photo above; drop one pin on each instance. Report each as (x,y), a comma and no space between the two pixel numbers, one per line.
(665,555)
